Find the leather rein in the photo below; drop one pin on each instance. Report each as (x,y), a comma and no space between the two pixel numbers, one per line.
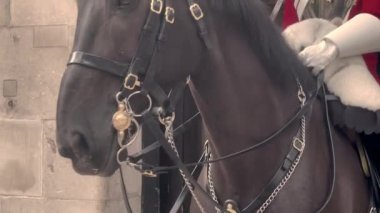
(139,81)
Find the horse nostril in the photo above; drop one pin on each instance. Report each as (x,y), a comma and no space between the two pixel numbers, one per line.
(65,152)
(80,147)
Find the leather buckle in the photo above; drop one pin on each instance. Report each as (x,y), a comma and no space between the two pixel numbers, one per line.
(298,144)
(74,56)
(169,15)
(149,173)
(196,11)
(156,6)
(230,206)
(131,81)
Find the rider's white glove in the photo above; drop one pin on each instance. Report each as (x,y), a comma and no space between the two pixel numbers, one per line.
(319,56)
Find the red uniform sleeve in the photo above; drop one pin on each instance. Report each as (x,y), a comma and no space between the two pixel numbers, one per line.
(290,14)
(366,6)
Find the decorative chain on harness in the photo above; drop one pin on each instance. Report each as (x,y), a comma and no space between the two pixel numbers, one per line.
(290,172)
(168,123)
(210,180)
(299,142)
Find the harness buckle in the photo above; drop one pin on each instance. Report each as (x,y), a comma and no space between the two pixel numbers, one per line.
(131,81)
(169,15)
(149,173)
(168,120)
(230,206)
(156,6)
(298,144)
(143,172)
(196,11)
(301,94)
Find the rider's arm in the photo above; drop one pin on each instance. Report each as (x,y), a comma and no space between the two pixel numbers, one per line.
(359,35)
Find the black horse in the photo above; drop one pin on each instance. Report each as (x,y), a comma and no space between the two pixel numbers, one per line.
(250,89)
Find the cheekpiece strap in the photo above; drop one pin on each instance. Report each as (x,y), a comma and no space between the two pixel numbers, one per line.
(198,15)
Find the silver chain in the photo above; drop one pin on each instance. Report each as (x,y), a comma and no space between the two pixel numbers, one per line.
(301,133)
(264,206)
(211,182)
(372,210)
(170,137)
(288,175)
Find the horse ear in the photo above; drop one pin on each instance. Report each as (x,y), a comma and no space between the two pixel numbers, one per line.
(337,21)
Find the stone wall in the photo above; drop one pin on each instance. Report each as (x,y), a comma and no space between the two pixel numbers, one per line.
(35,42)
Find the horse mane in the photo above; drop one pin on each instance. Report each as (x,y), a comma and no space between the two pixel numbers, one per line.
(266,40)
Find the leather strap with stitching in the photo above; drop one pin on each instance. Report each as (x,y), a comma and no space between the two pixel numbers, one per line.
(99,63)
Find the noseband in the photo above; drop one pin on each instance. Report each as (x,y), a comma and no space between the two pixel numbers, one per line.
(139,81)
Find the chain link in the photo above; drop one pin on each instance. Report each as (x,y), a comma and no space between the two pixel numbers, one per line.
(279,187)
(300,134)
(274,194)
(170,137)
(302,98)
(211,182)
(372,210)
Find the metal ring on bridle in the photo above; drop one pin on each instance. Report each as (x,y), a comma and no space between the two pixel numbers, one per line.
(120,162)
(126,161)
(129,107)
(118,99)
(167,120)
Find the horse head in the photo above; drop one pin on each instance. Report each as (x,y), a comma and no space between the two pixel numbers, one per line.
(117,30)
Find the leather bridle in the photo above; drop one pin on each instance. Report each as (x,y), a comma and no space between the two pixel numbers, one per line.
(139,80)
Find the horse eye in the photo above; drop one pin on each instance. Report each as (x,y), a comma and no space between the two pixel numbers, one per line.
(124,3)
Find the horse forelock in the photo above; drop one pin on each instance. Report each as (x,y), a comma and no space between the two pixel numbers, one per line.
(265,38)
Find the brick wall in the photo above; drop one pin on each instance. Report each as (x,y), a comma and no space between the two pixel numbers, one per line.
(35,41)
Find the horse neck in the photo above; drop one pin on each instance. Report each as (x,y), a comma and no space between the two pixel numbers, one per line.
(241,105)
(236,94)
